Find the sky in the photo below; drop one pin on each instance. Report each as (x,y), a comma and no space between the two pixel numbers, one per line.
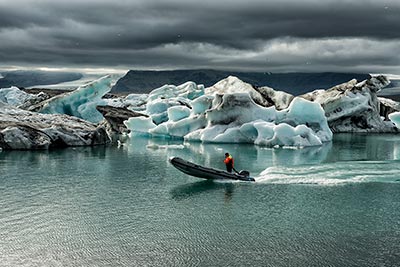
(252,35)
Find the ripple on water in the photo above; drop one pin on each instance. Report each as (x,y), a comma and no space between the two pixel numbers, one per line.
(121,207)
(333,173)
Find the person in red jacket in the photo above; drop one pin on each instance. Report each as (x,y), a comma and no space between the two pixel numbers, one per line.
(228,162)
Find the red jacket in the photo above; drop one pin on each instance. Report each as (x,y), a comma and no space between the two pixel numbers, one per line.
(229,161)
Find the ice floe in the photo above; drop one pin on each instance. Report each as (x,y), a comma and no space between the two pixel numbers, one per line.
(81,102)
(227,113)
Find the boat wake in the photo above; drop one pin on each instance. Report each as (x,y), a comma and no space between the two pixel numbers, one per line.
(333,173)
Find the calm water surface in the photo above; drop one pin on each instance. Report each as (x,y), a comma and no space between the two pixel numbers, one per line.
(337,205)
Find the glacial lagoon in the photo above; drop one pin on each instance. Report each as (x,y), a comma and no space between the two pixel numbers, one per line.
(335,205)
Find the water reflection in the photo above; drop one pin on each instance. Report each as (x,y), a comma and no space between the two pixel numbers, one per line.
(247,156)
(145,156)
(306,155)
(186,191)
(365,147)
(251,157)
(344,147)
(59,158)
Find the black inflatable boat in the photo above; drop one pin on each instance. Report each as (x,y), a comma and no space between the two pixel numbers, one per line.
(208,173)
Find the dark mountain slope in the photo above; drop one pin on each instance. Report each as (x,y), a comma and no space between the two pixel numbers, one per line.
(136,81)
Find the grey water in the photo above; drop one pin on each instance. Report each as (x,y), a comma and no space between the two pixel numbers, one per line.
(336,205)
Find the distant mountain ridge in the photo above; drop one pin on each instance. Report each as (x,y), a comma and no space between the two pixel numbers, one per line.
(24,78)
(141,81)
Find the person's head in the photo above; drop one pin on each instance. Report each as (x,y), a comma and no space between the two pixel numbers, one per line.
(226,155)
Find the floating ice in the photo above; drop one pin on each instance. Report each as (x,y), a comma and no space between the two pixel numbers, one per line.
(279,99)
(232,85)
(155,146)
(237,119)
(188,90)
(142,124)
(201,104)
(353,106)
(231,117)
(137,101)
(178,112)
(81,102)
(311,114)
(21,129)
(157,103)
(19,98)
(395,118)
(14,96)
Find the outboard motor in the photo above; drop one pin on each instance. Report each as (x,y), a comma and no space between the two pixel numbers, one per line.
(244,173)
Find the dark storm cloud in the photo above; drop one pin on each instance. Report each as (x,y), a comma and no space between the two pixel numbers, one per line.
(199,33)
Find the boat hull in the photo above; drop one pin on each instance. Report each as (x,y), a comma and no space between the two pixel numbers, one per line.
(205,172)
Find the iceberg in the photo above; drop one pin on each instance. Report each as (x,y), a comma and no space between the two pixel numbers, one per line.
(233,84)
(21,129)
(279,99)
(189,90)
(395,118)
(349,107)
(17,97)
(353,106)
(229,112)
(237,119)
(387,106)
(157,102)
(81,102)
(177,113)
(264,96)
(143,123)
(14,96)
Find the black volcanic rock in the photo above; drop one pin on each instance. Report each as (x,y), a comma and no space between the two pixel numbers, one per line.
(136,81)
(115,116)
(387,106)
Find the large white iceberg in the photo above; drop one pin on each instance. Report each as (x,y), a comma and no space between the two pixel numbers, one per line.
(220,114)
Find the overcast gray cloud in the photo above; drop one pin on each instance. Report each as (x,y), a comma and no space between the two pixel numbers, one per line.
(284,35)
